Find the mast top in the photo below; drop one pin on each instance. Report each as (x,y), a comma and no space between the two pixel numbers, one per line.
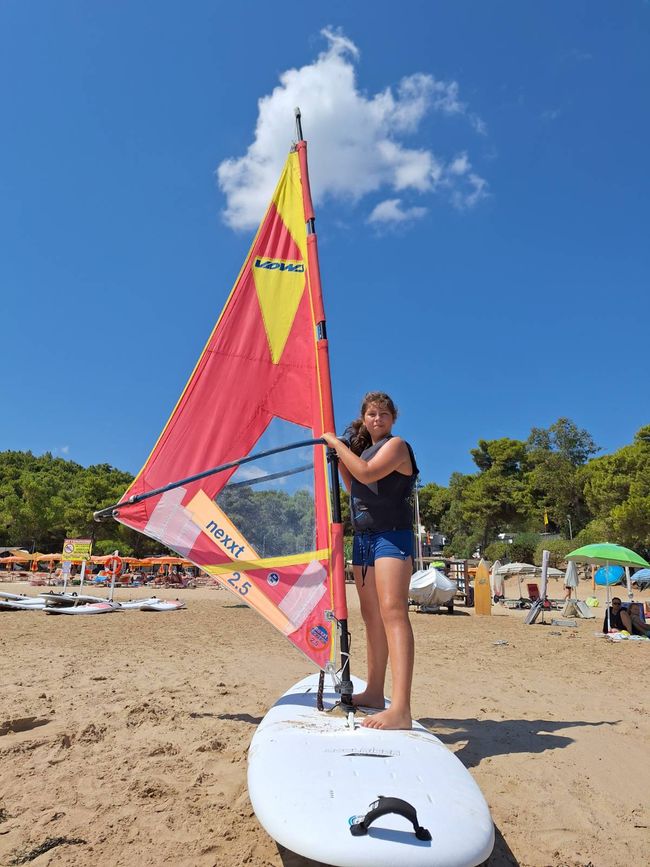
(298,115)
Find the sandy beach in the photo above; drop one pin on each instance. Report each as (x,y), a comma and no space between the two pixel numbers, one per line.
(123,738)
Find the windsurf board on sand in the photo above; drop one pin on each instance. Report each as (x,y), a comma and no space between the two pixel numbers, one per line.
(11,600)
(14,605)
(91,608)
(139,603)
(163,605)
(52,599)
(311,778)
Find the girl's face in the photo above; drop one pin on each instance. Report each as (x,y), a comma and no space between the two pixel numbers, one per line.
(378,420)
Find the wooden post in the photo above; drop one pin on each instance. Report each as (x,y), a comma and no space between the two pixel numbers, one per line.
(482,593)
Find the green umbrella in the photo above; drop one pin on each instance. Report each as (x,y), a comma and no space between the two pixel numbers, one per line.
(604,554)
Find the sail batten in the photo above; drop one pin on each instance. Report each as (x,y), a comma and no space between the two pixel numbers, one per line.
(259,522)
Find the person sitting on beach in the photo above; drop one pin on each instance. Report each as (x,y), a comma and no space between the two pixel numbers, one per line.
(617,618)
(639,625)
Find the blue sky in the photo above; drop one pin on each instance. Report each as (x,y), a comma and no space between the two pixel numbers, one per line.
(481,182)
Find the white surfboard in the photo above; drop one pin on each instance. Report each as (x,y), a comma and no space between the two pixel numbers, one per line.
(138,603)
(28,604)
(52,598)
(311,778)
(103,607)
(164,605)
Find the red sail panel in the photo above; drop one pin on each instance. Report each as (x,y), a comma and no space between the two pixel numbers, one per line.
(262,380)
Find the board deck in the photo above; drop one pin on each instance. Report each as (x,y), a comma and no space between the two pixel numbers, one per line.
(310,777)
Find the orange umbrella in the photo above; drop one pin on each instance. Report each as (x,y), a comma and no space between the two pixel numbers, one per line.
(169,561)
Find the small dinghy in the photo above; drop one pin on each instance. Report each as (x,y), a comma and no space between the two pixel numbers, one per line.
(429,589)
(140,603)
(163,605)
(102,607)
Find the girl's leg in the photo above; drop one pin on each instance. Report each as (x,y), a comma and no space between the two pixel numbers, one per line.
(391,580)
(376,644)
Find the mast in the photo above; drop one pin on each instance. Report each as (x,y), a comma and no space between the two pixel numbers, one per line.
(338,565)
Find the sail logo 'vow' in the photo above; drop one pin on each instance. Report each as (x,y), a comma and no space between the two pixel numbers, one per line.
(280,284)
(280,265)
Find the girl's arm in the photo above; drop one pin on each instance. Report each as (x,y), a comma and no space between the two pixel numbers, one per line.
(393,456)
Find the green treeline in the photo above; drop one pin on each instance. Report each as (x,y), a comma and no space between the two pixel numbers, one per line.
(555,472)
(44,499)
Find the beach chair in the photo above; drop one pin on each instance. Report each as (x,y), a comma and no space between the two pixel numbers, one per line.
(533,591)
(533,595)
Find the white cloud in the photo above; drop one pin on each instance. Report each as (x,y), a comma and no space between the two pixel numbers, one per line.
(391,211)
(460,165)
(469,195)
(356,140)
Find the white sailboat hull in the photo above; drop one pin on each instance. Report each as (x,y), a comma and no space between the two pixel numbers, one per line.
(429,587)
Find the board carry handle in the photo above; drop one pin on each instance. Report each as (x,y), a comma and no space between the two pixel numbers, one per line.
(381,807)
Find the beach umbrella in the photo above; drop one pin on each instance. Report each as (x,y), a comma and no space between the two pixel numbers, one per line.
(607,554)
(50,559)
(527,569)
(571,577)
(642,577)
(166,560)
(517,569)
(608,575)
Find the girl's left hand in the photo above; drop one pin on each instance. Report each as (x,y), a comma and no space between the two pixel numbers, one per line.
(331,439)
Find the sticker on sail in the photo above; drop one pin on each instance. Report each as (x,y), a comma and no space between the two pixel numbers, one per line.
(272,579)
(318,637)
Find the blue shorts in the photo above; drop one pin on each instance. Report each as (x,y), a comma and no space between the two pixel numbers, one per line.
(370,546)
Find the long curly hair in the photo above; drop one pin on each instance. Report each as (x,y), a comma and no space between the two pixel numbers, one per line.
(356,432)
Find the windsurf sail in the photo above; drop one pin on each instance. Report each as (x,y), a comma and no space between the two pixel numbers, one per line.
(266,527)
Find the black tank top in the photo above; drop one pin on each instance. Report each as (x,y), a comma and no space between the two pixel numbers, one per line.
(386,503)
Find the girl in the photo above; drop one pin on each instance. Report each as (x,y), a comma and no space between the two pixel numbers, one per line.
(379,470)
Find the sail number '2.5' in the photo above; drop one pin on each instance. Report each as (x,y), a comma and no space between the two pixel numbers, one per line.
(240,588)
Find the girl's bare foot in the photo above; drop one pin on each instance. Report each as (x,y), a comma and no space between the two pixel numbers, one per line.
(391,718)
(368,699)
